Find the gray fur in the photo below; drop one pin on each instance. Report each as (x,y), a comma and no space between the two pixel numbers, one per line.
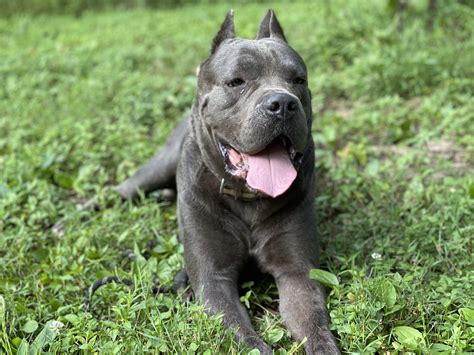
(222,234)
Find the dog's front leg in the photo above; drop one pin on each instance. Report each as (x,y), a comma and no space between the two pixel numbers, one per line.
(219,294)
(303,308)
(289,257)
(215,254)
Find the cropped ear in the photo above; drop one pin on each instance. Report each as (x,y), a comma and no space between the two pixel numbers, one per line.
(227,31)
(270,27)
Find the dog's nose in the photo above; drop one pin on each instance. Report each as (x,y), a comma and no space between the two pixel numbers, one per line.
(280,104)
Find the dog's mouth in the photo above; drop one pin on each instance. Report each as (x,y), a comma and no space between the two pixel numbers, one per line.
(270,171)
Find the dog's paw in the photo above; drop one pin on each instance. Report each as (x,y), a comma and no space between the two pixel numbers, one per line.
(323,344)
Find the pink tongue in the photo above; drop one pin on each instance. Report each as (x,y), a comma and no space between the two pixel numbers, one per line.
(271,171)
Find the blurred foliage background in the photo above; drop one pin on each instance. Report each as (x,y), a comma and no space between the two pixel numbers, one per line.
(77,7)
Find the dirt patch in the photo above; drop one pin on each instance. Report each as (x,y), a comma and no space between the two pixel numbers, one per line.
(340,106)
(444,149)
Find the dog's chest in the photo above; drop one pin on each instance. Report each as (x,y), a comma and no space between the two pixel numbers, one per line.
(252,218)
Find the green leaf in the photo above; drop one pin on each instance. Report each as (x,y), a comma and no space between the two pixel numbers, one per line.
(392,6)
(372,168)
(64,180)
(468,314)
(72,318)
(45,337)
(24,348)
(274,335)
(30,326)
(16,341)
(193,347)
(2,309)
(385,292)
(437,347)
(245,299)
(324,277)
(409,337)
(471,191)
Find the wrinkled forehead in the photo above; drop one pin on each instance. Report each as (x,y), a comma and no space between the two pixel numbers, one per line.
(264,55)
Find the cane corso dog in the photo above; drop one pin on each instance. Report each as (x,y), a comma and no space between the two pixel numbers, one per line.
(243,166)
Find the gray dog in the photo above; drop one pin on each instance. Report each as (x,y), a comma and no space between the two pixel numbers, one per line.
(243,165)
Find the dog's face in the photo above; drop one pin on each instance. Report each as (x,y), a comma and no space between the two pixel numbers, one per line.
(253,97)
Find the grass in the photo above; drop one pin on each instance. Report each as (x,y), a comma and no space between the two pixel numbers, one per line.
(84,101)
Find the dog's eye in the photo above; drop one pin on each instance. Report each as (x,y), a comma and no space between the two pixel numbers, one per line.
(299,81)
(235,82)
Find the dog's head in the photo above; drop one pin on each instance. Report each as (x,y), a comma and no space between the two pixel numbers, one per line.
(254,106)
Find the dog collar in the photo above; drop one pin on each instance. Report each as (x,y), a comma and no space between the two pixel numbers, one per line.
(239,194)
